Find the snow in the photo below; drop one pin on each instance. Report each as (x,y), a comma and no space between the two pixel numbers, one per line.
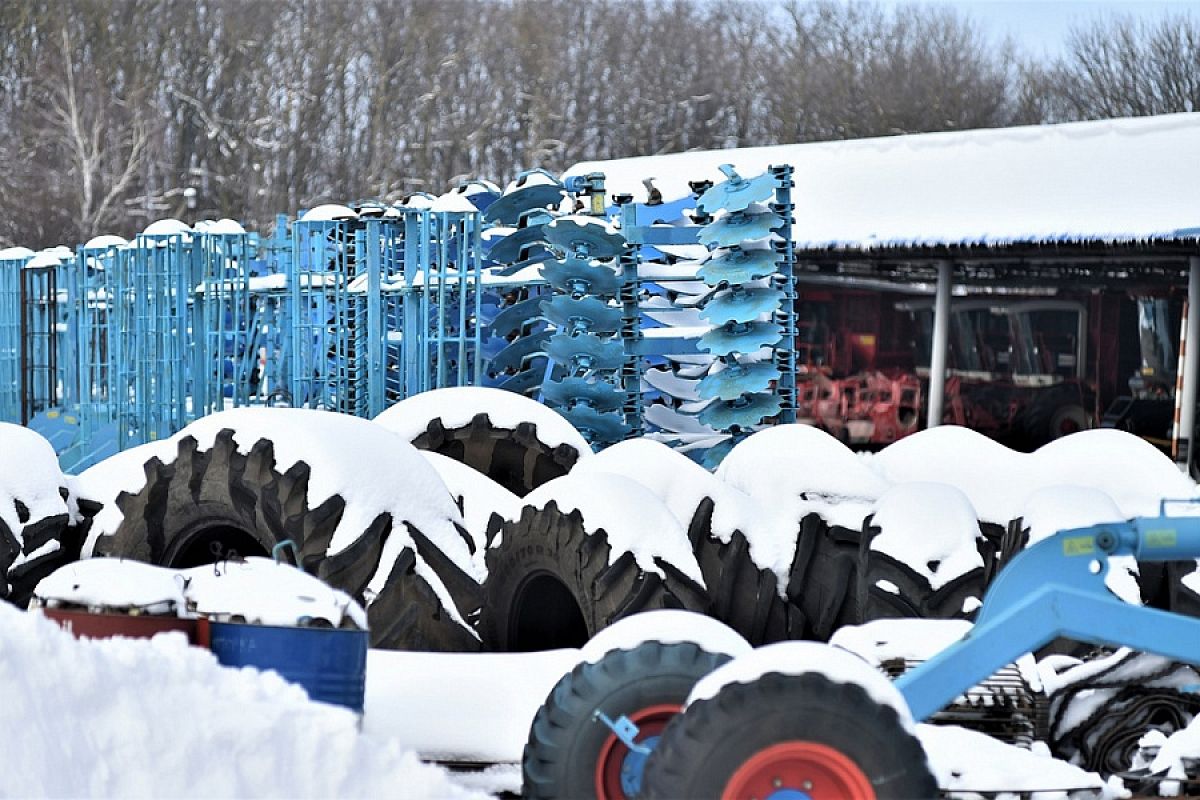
(998,481)
(44,258)
(329,212)
(266,593)
(635,520)
(797,658)
(1180,747)
(534,177)
(481,497)
(930,527)
(457,406)
(335,446)
(15,253)
(225,227)
(1058,508)
(682,485)
(156,718)
(668,626)
(114,584)
(1021,184)
(963,760)
(796,469)
(105,241)
(29,474)
(166,227)
(456,707)
(454,202)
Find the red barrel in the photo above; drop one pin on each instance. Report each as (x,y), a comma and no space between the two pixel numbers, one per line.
(86,625)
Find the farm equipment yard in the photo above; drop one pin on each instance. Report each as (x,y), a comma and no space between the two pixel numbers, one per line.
(729,490)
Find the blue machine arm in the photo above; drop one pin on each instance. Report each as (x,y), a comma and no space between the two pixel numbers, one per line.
(1056,589)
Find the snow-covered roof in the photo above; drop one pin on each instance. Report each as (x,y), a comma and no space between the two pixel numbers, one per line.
(1118,180)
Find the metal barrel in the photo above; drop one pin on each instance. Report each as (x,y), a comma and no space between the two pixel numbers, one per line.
(330,664)
(87,625)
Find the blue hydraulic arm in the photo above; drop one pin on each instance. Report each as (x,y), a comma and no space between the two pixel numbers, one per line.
(1056,589)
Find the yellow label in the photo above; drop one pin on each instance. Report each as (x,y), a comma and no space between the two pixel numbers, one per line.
(51,415)
(1079,546)
(1165,537)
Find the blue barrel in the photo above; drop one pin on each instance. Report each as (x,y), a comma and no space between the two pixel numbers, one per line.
(329,663)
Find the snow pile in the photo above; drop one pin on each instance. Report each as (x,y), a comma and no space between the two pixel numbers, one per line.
(335,446)
(682,485)
(457,406)
(964,761)
(327,212)
(1057,508)
(668,626)
(266,593)
(1176,753)
(156,718)
(114,585)
(797,469)
(479,497)
(634,519)
(930,527)
(30,486)
(998,481)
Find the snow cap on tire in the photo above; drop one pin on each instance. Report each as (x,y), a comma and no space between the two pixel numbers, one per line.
(665,626)
(797,658)
(635,520)
(930,527)
(458,405)
(29,476)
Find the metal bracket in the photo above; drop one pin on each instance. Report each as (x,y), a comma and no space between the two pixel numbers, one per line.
(624,729)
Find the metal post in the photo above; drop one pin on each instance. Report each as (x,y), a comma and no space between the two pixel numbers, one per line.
(1191,367)
(375,326)
(941,336)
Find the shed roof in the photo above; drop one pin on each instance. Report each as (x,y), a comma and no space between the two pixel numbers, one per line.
(1108,181)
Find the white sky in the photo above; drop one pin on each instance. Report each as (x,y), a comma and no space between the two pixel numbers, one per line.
(1040,27)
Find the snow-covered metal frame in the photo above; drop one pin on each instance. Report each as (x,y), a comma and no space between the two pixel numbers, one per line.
(10,336)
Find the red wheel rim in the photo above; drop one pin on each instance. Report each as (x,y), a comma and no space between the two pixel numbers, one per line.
(650,721)
(815,769)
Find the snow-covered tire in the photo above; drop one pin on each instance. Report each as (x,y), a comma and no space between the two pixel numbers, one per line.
(571,754)
(741,594)
(790,728)
(821,581)
(219,503)
(550,584)
(514,458)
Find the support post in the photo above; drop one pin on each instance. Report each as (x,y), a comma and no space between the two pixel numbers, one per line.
(941,336)
(1191,367)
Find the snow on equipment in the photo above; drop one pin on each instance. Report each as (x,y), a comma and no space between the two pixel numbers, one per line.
(799,717)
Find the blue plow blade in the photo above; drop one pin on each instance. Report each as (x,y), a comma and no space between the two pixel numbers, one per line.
(512,356)
(526,381)
(743,413)
(739,304)
(737,380)
(737,193)
(568,392)
(713,456)
(586,352)
(743,338)
(518,315)
(508,249)
(508,209)
(595,426)
(585,315)
(584,239)
(738,227)
(579,277)
(738,266)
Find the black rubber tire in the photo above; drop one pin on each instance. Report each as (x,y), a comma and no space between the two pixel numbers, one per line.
(702,748)
(513,457)
(565,741)
(743,596)
(915,597)
(17,582)
(821,582)
(251,506)
(548,560)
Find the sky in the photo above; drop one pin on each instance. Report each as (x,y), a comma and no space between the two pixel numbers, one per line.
(1041,27)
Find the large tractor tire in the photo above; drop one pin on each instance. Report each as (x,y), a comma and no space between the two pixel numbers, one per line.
(550,584)
(822,579)
(802,733)
(571,753)
(219,503)
(742,595)
(891,589)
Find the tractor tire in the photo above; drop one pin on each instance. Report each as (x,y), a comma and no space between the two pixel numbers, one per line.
(822,738)
(514,458)
(209,505)
(742,595)
(821,581)
(17,583)
(550,584)
(570,753)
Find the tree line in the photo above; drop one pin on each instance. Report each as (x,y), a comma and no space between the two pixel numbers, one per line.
(111,110)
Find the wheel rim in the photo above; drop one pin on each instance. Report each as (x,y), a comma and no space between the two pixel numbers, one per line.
(619,769)
(798,770)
